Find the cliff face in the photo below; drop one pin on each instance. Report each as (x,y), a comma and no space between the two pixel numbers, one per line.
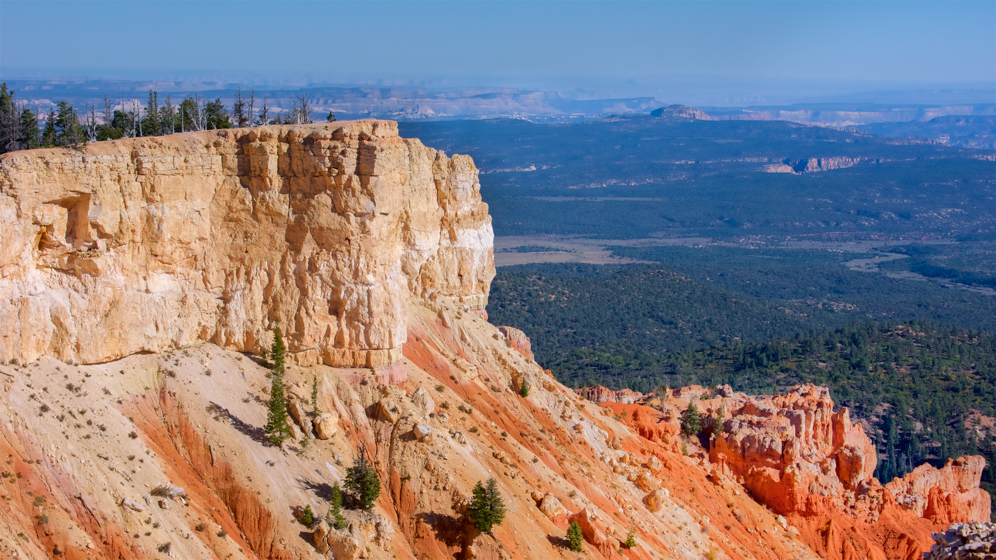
(143,245)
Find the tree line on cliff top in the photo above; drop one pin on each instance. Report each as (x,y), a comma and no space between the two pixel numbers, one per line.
(65,125)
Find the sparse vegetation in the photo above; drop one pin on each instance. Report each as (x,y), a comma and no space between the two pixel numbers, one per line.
(524,387)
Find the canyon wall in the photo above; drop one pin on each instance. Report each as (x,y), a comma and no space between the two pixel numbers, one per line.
(142,245)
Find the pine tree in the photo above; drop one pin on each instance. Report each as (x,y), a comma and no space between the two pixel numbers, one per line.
(48,135)
(239,109)
(314,397)
(152,123)
(216,115)
(691,424)
(331,117)
(276,418)
(524,387)
(362,483)
(575,537)
(9,121)
(487,508)
(334,516)
(30,133)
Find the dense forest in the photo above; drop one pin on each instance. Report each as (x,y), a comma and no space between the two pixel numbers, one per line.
(65,125)
(640,176)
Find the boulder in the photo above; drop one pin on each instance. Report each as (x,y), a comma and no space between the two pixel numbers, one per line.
(593,533)
(646,481)
(655,500)
(388,410)
(326,425)
(552,508)
(422,431)
(423,401)
(297,412)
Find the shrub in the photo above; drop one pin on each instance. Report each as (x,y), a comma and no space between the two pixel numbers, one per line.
(307,516)
(575,537)
(630,540)
(487,508)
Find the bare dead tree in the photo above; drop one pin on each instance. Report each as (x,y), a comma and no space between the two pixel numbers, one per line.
(108,113)
(250,106)
(89,122)
(264,114)
(302,111)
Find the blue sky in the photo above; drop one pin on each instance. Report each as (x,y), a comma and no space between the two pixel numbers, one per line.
(902,42)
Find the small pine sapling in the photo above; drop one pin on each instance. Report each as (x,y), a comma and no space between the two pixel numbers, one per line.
(575,537)
(334,516)
(524,387)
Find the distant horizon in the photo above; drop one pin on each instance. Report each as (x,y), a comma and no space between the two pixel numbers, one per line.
(746,48)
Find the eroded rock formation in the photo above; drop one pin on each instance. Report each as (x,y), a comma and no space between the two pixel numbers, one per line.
(143,245)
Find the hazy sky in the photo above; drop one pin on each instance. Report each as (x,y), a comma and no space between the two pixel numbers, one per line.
(856,41)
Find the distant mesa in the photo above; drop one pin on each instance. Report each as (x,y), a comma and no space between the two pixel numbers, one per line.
(680,113)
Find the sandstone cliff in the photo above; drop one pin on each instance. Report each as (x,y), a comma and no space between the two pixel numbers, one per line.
(144,245)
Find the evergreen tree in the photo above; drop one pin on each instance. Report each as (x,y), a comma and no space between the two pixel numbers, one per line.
(239,110)
(152,123)
(575,537)
(691,423)
(30,133)
(276,418)
(314,397)
(66,127)
(48,135)
(362,484)
(487,508)
(334,516)
(524,387)
(331,117)
(10,128)
(216,116)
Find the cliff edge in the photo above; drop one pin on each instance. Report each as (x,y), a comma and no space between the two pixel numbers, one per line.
(142,245)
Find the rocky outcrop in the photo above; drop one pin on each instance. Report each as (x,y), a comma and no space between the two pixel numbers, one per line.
(793,451)
(141,245)
(812,165)
(680,113)
(518,340)
(964,541)
(947,495)
(599,394)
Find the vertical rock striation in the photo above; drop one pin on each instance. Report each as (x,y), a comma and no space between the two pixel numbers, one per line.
(141,245)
